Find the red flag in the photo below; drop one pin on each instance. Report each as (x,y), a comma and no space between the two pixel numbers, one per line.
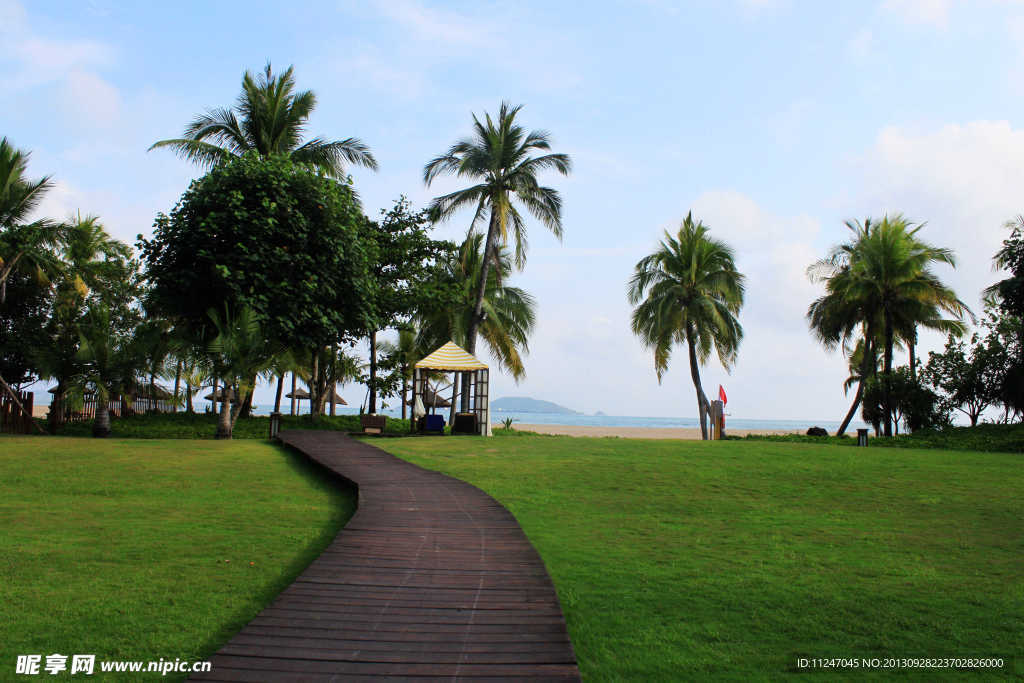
(721,395)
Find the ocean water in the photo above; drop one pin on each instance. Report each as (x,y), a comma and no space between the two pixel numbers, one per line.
(735,422)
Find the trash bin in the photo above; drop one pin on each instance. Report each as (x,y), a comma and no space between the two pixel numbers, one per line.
(862,437)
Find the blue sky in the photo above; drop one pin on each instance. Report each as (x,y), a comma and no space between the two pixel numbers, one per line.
(773,121)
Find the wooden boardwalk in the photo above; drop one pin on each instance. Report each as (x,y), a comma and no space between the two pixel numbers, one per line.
(430,579)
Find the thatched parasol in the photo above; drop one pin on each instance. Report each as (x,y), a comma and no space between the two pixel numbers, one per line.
(220,395)
(298,395)
(156,391)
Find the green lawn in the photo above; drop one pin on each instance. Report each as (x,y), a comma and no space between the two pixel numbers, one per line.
(138,550)
(676,560)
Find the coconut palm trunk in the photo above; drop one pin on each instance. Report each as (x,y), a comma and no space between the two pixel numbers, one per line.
(913,359)
(887,370)
(373,372)
(224,419)
(177,386)
(188,398)
(277,396)
(292,412)
(702,400)
(865,369)
(101,423)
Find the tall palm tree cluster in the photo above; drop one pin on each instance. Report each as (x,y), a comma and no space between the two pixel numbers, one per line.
(100,351)
(879,290)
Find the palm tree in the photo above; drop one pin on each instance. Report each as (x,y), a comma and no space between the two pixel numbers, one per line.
(693,295)
(31,244)
(498,157)
(269,118)
(881,284)
(109,362)
(402,355)
(238,353)
(508,312)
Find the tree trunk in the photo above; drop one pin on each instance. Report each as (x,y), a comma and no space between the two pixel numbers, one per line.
(293,392)
(277,397)
(865,369)
(101,423)
(216,383)
(314,387)
(5,272)
(405,388)
(188,398)
(702,400)
(177,386)
(373,371)
(481,287)
(913,359)
(853,409)
(455,394)
(224,421)
(887,370)
(56,414)
(247,404)
(333,390)
(236,406)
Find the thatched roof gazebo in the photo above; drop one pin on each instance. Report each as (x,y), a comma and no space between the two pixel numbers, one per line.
(453,358)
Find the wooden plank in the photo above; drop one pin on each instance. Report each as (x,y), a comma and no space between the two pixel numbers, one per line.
(431,579)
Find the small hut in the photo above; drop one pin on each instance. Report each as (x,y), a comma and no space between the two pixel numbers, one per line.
(453,358)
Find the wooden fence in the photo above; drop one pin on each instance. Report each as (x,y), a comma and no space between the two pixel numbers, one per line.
(118,406)
(12,419)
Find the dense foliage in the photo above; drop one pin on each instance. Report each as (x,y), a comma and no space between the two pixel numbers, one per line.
(23,318)
(270,235)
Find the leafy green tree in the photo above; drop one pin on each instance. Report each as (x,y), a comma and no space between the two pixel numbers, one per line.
(914,404)
(966,377)
(405,273)
(29,245)
(1008,294)
(268,235)
(269,119)
(23,318)
(689,291)
(499,158)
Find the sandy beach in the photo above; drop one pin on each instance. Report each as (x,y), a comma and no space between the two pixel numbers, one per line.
(636,432)
(40,411)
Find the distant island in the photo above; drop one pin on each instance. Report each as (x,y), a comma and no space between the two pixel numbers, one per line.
(522,404)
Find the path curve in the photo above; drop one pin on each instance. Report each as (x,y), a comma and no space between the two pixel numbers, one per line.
(430,579)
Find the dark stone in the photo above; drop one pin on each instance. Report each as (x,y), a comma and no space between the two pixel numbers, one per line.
(817,431)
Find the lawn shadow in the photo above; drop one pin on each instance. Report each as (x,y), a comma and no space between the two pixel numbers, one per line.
(344,497)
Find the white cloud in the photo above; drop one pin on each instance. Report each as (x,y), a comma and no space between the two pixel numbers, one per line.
(441,27)
(934,13)
(964,180)
(29,60)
